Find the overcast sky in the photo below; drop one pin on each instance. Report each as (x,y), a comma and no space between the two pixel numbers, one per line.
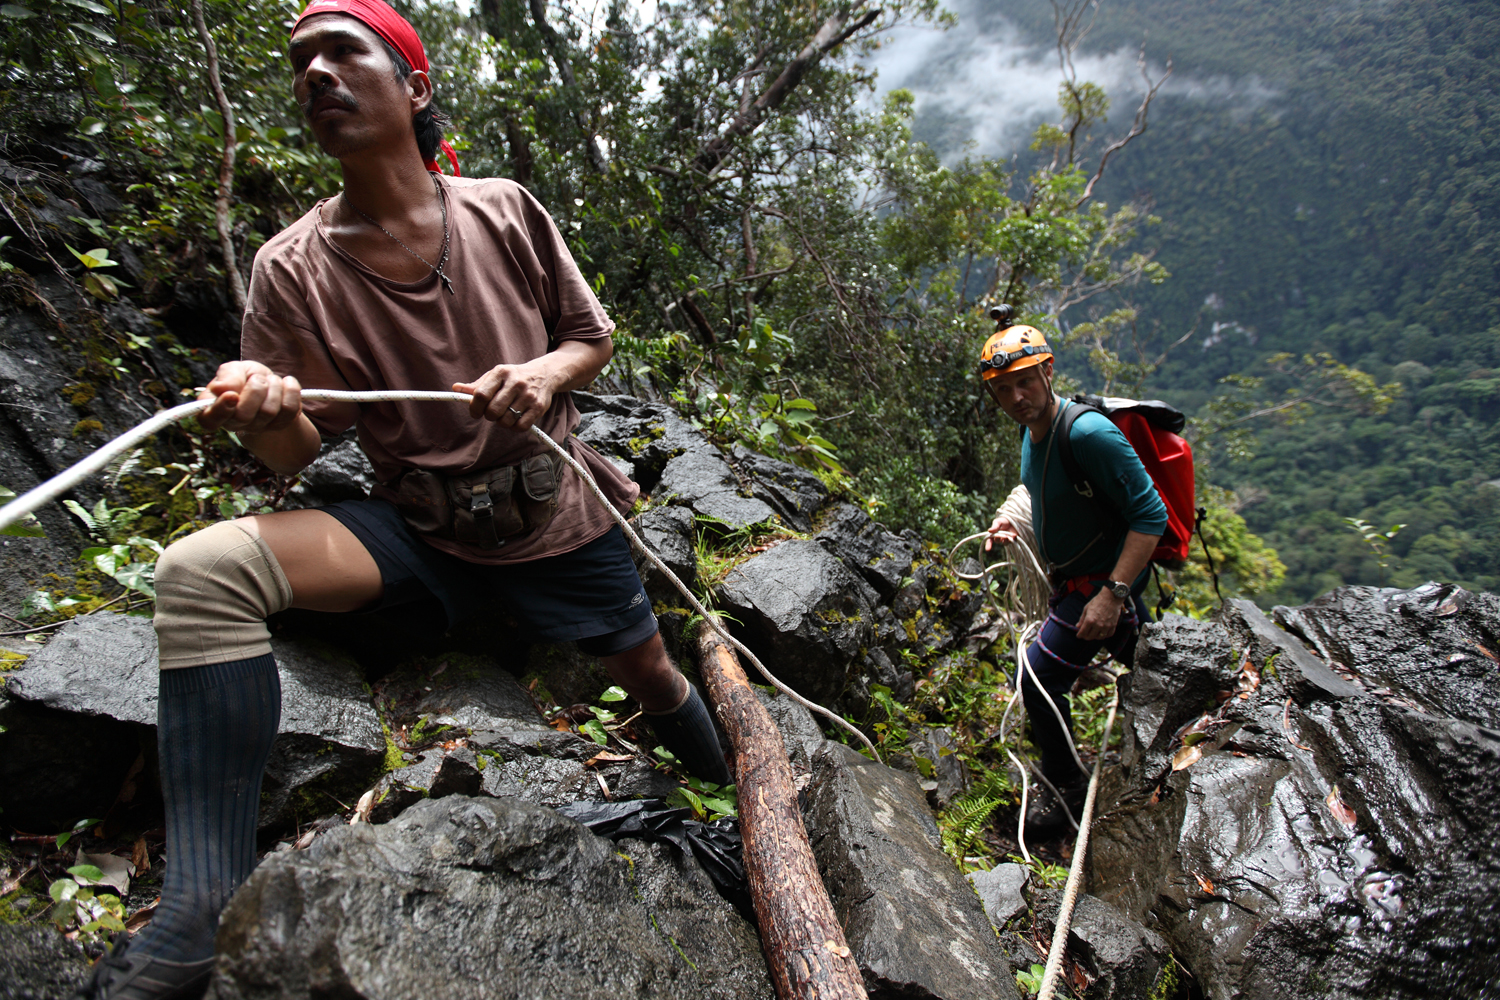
(980,81)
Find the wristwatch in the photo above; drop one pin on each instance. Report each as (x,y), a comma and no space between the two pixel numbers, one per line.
(1120,590)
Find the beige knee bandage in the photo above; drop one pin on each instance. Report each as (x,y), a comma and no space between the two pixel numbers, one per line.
(214,590)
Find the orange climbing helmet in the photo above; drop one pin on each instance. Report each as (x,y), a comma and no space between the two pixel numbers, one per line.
(1011,348)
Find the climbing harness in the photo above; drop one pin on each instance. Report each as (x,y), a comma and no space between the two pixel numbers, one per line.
(36,498)
(1025,592)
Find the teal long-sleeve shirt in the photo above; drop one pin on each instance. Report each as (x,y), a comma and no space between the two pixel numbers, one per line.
(1066,522)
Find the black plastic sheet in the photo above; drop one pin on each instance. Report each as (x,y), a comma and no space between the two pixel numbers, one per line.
(716,846)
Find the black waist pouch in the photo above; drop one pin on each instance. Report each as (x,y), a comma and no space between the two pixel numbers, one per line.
(484,509)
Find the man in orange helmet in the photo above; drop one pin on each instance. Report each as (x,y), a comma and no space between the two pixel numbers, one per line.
(1097,570)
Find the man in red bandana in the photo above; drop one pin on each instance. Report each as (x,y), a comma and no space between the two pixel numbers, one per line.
(406,280)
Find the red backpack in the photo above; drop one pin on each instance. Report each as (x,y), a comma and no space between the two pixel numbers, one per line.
(1152,428)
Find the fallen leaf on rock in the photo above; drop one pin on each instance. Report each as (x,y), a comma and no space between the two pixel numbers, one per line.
(9,884)
(1341,812)
(1485,650)
(1204,884)
(1079,979)
(1186,757)
(562,724)
(1193,731)
(116,871)
(605,757)
(1249,679)
(1156,795)
(140,918)
(140,855)
(362,808)
(1457,658)
(305,841)
(603,787)
(1447,609)
(1286,726)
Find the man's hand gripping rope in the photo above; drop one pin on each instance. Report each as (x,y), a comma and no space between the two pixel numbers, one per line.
(38,497)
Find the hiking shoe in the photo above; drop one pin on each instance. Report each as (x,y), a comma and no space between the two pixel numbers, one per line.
(1044,814)
(120,975)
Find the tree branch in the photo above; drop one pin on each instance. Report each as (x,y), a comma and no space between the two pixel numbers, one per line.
(226,165)
(834,32)
(559,53)
(1136,127)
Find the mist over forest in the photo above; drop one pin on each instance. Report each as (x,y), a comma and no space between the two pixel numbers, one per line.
(1324,176)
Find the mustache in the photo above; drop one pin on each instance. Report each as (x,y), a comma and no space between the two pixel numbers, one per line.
(318,93)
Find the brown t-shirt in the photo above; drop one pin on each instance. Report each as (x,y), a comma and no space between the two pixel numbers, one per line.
(317,313)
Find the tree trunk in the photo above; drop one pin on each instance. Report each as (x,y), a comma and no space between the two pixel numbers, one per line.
(561,58)
(800,934)
(226,165)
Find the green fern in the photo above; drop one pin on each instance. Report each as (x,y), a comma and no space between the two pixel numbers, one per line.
(963,822)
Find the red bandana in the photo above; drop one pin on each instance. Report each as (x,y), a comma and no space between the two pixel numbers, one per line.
(396,30)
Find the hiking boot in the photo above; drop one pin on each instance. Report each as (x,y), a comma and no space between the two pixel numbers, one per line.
(119,975)
(1045,817)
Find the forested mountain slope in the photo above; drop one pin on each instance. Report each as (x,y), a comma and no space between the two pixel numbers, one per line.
(1328,178)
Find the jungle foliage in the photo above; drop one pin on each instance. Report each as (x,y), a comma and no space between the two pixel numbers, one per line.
(1327,176)
(783,259)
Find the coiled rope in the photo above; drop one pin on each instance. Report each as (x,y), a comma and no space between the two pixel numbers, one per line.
(34,499)
(1024,599)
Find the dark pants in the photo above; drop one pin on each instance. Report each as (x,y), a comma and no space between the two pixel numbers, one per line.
(1058,657)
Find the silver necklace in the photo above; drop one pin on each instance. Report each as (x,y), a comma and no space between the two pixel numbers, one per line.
(442,260)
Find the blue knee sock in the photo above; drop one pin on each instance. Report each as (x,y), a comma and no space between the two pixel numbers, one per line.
(214,728)
(688,731)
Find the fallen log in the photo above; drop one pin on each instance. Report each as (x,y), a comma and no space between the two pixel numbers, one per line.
(800,935)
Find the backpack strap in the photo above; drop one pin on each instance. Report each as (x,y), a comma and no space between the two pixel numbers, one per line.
(1110,519)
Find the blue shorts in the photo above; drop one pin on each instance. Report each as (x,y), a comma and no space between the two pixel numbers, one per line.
(591,595)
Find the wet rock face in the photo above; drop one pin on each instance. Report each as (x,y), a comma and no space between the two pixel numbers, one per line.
(1333,831)
(646,435)
(803,611)
(77,715)
(477,732)
(668,532)
(330,736)
(340,472)
(470,898)
(82,709)
(1117,958)
(704,481)
(794,493)
(914,924)
(1000,890)
(882,559)
(37,963)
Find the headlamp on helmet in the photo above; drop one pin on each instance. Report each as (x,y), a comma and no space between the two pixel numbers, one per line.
(1011,348)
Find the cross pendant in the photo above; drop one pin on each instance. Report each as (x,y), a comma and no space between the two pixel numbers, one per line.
(446,283)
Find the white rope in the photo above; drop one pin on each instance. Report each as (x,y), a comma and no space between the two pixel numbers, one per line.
(1025,600)
(1075,873)
(1026,592)
(36,498)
